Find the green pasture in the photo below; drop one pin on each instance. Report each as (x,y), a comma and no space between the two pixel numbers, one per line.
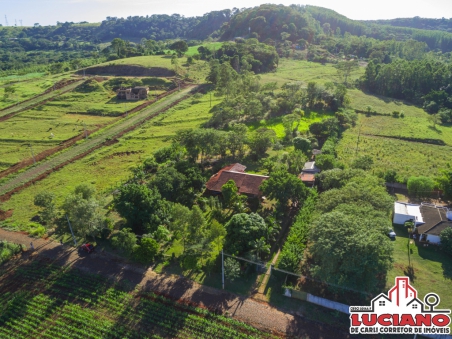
(409,126)
(405,157)
(26,88)
(431,269)
(290,70)
(105,168)
(277,125)
(210,45)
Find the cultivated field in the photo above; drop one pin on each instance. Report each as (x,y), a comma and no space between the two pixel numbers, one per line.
(44,301)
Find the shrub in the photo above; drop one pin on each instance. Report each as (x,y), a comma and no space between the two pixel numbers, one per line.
(420,186)
(146,251)
(446,240)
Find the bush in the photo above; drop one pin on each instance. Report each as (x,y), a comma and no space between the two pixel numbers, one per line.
(446,240)
(420,186)
(293,250)
(8,249)
(124,240)
(146,251)
(36,230)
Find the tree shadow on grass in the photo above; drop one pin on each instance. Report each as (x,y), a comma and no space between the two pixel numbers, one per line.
(433,253)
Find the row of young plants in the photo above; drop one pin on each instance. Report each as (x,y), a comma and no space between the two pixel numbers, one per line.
(67,304)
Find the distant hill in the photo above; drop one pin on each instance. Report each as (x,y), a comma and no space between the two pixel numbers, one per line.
(417,22)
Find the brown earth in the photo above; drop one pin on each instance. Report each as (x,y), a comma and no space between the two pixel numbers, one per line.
(258,314)
(128,70)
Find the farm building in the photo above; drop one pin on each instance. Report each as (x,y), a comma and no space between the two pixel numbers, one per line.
(436,219)
(136,93)
(308,173)
(430,220)
(405,212)
(246,183)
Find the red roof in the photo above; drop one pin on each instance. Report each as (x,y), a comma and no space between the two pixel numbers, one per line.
(307,177)
(246,183)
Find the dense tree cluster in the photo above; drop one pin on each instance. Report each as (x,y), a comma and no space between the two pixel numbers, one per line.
(348,243)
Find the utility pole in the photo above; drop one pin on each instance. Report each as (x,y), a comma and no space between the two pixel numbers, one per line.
(86,133)
(32,154)
(73,237)
(222,269)
(6,20)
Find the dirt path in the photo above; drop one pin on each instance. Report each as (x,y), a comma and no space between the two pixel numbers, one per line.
(78,151)
(258,314)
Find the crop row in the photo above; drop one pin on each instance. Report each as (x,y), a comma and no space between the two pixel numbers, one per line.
(102,311)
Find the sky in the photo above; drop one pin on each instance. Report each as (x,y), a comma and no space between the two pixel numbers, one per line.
(48,12)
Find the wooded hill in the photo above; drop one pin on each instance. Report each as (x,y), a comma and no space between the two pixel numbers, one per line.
(272,24)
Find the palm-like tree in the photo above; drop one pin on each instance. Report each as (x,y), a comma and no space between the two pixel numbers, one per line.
(260,246)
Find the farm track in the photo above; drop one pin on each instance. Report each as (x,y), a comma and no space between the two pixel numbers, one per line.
(38,100)
(69,142)
(78,151)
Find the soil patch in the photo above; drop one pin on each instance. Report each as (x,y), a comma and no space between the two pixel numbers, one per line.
(5,214)
(129,70)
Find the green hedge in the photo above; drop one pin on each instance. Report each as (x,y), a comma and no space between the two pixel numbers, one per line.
(7,250)
(292,252)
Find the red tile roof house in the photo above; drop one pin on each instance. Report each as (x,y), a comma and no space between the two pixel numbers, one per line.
(246,183)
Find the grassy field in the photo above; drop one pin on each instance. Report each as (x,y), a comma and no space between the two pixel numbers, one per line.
(44,301)
(26,87)
(305,71)
(432,268)
(106,167)
(277,125)
(405,157)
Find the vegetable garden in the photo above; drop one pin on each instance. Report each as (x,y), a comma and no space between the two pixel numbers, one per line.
(40,300)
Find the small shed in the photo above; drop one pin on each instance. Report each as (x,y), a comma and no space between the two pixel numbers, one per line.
(310,167)
(405,212)
(136,93)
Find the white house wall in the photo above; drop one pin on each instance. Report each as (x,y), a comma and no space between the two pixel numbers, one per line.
(434,239)
(401,218)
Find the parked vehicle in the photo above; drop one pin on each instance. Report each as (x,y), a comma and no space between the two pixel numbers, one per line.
(86,248)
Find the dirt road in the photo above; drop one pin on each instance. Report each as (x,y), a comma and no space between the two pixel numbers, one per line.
(258,314)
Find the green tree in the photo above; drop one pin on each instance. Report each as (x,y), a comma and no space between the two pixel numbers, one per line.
(84,211)
(345,68)
(180,217)
(118,45)
(196,227)
(325,161)
(124,240)
(231,269)
(180,47)
(142,207)
(260,246)
(283,186)
(216,233)
(446,240)
(302,144)
(260,141)
(229,191)
(146,251)
(349,251)
(242,229)
(445,183)
(48,213)
(363,162)
(420,186)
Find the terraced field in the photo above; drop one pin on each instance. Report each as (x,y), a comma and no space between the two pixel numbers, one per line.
(96,140)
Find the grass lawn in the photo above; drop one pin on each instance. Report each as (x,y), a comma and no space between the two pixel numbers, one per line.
(432,268)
